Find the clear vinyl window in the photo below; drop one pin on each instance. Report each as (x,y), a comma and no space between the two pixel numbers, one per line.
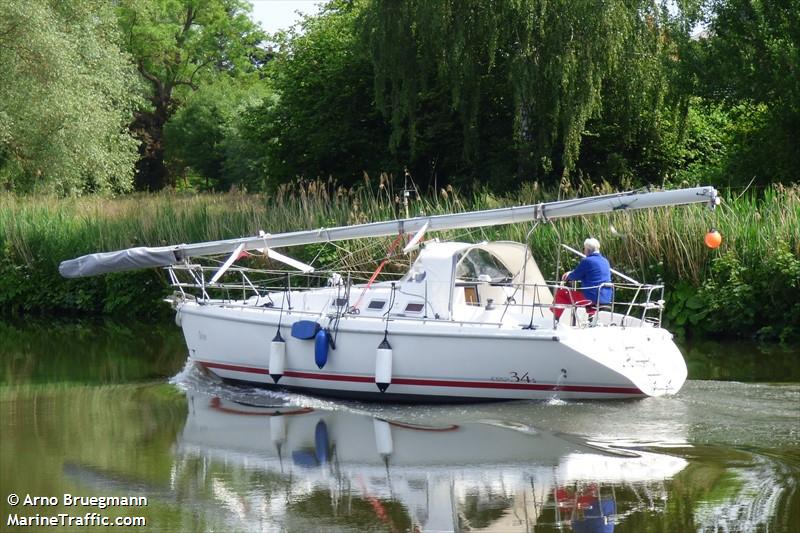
(478,262)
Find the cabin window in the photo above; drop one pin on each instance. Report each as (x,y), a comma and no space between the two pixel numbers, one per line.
(376,305)
(479,262)
(471,295)
(414,308)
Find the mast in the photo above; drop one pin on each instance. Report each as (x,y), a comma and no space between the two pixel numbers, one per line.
(144,257)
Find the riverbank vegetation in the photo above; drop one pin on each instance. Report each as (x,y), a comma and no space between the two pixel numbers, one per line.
(154,94)
(735,290)
(474,104)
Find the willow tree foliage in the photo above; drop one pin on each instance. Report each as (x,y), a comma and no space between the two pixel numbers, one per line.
(65,98)
(556,56)
(323,122)
(178,45)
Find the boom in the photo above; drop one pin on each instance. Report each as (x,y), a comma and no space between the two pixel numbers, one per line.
(144,257)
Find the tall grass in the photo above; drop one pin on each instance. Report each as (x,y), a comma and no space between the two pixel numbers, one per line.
(36,233)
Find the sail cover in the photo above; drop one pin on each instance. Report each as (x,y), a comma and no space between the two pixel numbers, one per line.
(130,259)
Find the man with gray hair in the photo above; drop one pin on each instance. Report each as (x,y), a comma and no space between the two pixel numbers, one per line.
(592,271)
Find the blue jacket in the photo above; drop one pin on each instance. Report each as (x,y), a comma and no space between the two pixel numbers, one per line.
(593,270)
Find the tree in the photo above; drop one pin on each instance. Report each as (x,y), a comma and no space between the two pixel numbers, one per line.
(66,94)
(323,121)
(749,62)
(555,57)
(203,137)
(178,45)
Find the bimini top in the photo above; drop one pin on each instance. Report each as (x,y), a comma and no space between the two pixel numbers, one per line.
(442,265)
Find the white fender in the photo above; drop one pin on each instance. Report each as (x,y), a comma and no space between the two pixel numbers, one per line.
(277,359)
(383,366)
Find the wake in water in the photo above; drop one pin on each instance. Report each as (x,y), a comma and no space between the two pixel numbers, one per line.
(556,401)
(764,488)
(194,379)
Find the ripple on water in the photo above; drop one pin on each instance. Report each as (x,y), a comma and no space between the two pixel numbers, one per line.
(732,437)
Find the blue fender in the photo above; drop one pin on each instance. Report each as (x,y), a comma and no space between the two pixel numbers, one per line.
(305,329)
(321,346)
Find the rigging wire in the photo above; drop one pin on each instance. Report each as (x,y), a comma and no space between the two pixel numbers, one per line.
(389,253)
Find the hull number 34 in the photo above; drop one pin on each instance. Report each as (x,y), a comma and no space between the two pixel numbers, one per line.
(515,377)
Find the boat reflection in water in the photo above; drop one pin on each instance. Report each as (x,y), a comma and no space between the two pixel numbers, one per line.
(279,466)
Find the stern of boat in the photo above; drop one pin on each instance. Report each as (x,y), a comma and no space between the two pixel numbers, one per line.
(647,357)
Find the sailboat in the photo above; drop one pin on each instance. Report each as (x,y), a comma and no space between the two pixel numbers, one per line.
(466,322)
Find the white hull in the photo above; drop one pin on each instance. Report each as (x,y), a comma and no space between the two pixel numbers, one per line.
(437,360)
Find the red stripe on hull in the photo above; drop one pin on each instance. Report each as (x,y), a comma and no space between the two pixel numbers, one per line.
(434,382)
(235,368)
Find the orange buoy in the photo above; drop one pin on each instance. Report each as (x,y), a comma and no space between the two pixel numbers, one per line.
(713,239)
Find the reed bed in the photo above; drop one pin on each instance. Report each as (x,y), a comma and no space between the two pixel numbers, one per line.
(36,233)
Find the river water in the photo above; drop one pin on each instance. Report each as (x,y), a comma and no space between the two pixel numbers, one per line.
(109,410)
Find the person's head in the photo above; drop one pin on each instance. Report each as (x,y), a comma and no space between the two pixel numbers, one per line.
(591,245)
